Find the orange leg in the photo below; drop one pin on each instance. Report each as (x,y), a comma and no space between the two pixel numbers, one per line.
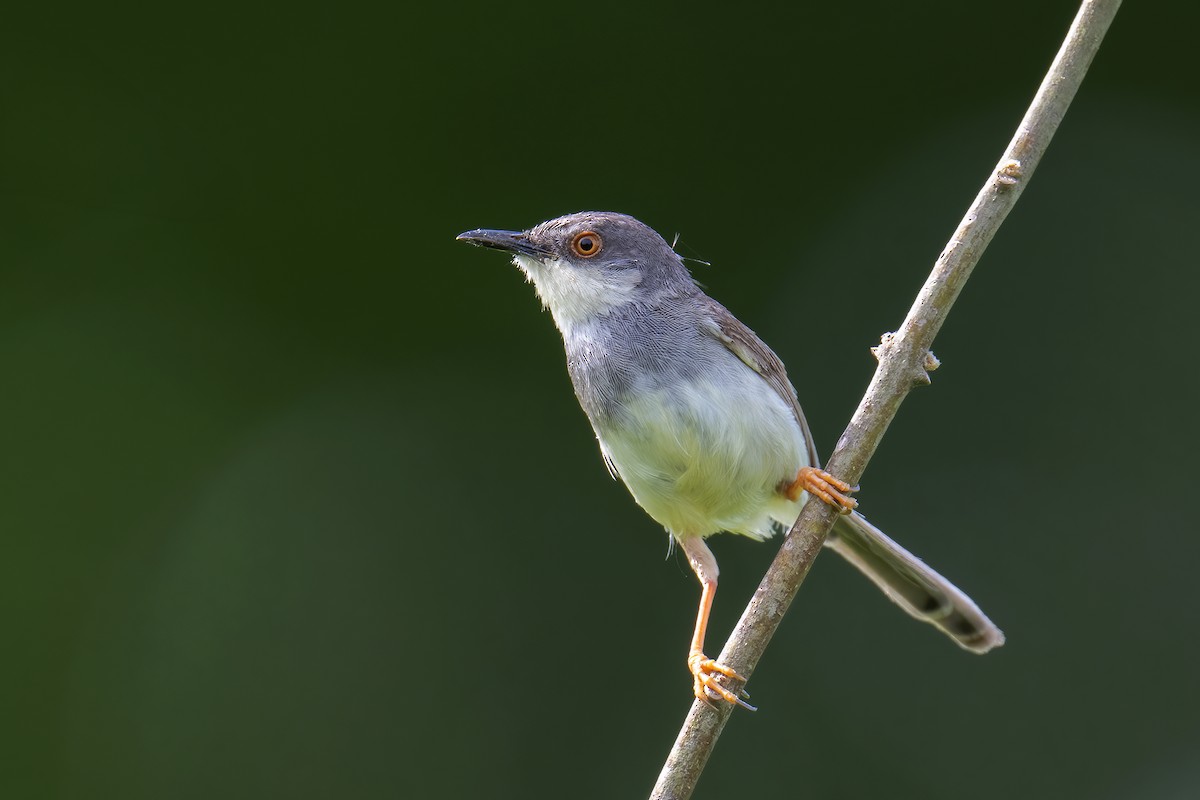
(704,670)
(820,483)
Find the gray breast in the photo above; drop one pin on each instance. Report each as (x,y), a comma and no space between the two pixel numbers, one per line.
(639,347)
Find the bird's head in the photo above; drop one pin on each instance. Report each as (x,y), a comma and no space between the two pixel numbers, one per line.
(586,265)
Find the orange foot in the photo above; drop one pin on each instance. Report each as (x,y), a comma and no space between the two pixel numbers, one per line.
(820,483)
(704,681)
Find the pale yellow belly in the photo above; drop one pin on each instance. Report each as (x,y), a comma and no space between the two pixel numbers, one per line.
(709,461)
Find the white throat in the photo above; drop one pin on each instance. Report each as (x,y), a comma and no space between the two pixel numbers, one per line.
(577,296)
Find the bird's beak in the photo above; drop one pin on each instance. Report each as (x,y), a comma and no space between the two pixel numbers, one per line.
(512,241)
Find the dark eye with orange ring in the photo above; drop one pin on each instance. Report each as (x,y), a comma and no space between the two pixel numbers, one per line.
(587,244)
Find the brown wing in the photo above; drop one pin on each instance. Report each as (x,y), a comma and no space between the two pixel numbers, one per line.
(755,354)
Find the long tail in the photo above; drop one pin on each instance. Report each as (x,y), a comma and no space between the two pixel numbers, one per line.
(912,585)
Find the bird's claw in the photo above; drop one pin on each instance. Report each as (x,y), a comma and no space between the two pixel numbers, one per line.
(820,483)
(705,683)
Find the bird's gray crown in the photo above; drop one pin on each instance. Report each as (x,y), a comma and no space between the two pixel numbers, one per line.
(623,241)
(602,240)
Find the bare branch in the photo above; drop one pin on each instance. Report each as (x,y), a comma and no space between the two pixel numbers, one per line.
(904,359)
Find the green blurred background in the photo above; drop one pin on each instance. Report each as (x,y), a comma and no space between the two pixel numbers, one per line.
(295,499)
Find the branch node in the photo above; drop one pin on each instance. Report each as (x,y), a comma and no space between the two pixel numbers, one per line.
(1009,173)
(931,361)
(885,344)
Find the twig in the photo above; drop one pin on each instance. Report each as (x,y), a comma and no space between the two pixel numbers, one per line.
(904,362)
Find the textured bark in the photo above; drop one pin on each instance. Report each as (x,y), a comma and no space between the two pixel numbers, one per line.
(904,362)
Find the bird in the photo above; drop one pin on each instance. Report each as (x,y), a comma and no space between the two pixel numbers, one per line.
(697,417)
